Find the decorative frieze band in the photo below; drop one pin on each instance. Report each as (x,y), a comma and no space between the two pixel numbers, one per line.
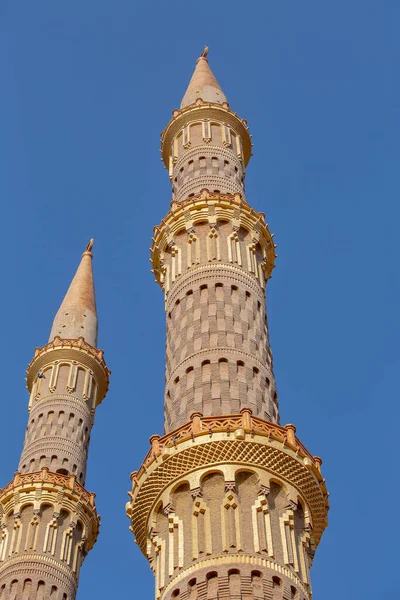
(211,208)
(203,112)
(203,450)
(234,559)
(75,352)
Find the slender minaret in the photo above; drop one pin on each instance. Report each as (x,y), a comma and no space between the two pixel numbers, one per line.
(48,519)
(227,503)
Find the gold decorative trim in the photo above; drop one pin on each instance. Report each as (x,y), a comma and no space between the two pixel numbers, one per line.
(199,273)
(237,439)
(46,478)
(75,350)
(39,558)
(23,489)
(60,397)
(200,425)
(229,559)
(199,112)
(211,207)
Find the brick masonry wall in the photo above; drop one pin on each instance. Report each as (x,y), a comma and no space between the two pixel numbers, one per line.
(218,358)
(60,421)
(41,556)
(230,539)
(212,167)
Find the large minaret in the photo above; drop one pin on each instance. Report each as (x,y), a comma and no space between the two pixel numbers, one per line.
(227,503)
(48,518)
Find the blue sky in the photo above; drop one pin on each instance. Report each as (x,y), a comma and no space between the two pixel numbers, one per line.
(86,89)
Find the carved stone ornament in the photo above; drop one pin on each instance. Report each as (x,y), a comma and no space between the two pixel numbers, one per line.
(230,486)
(168,509)
(196,493)
(264,490)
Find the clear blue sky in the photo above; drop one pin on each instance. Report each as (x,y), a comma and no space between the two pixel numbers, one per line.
(86,88)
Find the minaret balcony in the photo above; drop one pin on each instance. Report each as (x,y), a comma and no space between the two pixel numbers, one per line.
(206,442)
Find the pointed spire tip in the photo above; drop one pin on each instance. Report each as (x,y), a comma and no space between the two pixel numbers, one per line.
(88,249)
(204,53)
(77,316)
(203,84)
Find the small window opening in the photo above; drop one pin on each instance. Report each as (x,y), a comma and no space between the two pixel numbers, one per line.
(62,471)
(276,582)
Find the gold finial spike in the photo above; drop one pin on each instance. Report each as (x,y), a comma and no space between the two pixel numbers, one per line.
(90,246)
(205,52)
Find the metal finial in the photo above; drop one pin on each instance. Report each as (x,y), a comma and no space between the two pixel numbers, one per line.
(90,245)
(205,52)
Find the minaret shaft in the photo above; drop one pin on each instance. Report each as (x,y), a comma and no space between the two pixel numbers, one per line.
(227,504)
(48,519)
(218,354)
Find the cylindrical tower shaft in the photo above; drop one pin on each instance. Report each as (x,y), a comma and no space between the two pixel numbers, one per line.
(48,519)
(218,255)
(212,255)
(228,503)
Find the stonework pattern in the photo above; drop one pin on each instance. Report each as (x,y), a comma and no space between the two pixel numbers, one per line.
(212,256)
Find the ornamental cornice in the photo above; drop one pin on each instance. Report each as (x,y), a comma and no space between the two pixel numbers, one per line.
(60,490)
(38,559)
(201,111)
(208,207)
(71,449)
(74,350)
(35,564)
(229,560)
(233,439)
(205,272)
(59,399)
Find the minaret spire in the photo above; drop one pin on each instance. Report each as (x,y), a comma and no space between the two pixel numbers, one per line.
(77,316)
(48,520)
(203,84)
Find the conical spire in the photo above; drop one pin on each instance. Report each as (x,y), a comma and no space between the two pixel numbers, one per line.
(203,84)
(77,315)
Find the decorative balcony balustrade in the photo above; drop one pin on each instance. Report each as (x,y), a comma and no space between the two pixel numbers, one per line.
(241,424)
(46,477)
